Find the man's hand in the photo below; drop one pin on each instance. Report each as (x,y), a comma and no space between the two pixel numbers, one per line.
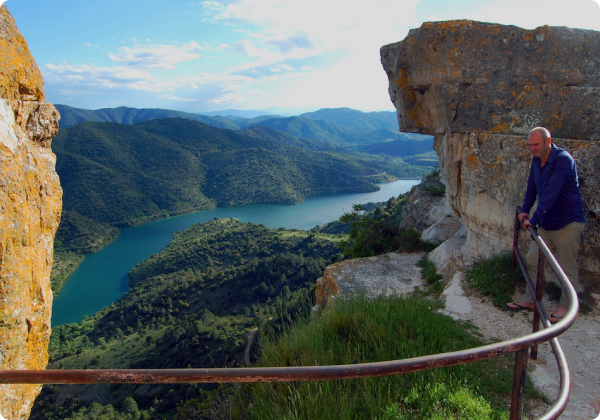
(524,219)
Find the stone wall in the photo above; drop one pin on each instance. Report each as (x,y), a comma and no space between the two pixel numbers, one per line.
(479,88)
(30,206)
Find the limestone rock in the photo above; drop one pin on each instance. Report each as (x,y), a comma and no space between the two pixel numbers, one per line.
(465,76)
(448,257)
(442,230)
(30,206)
(479,88)
(424,208)
(383,274)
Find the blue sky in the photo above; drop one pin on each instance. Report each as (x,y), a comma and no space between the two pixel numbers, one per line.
(282,55)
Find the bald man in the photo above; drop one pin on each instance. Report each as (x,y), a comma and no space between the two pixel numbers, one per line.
(559,215)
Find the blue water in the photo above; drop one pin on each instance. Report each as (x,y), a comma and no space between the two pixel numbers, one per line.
(101,279)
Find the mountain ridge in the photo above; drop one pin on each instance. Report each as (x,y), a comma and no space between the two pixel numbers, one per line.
(344,126)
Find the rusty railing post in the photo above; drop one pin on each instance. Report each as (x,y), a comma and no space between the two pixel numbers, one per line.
(520,346)
(518,392)
(539,291)
(516,229)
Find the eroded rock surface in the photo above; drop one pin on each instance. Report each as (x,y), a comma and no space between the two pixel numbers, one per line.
(385,274)
(426,204)
(479,88)
(30,206)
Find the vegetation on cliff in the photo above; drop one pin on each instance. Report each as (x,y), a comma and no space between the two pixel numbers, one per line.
(362,330)
(375,231)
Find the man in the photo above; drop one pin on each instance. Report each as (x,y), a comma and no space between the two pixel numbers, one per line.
(559,214)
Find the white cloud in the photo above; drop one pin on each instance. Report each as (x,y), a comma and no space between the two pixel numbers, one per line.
(90,45)
(331,24)
(230,100)
(336,42)
(157,56)
(136,79)
(528,14)
(90,72)
(178,98)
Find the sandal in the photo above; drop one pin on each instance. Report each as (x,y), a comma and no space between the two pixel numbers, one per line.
(518,307)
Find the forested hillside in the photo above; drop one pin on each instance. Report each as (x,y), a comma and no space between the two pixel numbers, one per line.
(343,126)
(70,116)
(190,305)
(351,118)
(117,175)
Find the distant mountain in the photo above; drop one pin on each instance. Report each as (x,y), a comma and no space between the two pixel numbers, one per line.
(124,115)
(318,130)
(240,113)
(351,118)
(342,126)
(118,174)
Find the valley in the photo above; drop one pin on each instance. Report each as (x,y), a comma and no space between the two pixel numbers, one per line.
(116,175)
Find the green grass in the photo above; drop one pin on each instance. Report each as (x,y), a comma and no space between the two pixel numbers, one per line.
(495,278)
(359,330)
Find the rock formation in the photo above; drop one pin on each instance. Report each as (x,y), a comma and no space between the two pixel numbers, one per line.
(479,88)
(30,206)
(385,274)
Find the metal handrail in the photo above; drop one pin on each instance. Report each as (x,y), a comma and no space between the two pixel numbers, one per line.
(519,345)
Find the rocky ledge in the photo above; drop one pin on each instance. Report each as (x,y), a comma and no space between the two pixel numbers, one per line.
(30,206)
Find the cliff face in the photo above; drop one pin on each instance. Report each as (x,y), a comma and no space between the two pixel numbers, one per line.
(479,88)
(30,205)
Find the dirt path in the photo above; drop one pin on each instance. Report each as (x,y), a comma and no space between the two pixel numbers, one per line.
(581,344)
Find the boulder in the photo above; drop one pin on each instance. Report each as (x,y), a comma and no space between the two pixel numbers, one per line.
(384,274)
(426,204)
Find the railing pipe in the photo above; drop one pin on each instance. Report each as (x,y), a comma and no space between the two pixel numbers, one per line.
(308,373)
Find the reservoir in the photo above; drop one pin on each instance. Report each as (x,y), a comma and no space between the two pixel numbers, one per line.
(101,279)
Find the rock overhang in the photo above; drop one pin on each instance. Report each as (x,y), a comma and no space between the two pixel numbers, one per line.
(479,88)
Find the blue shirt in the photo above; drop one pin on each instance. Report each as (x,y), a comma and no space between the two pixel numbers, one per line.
(556,186)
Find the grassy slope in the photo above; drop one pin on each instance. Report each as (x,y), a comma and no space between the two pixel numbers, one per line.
(360,330)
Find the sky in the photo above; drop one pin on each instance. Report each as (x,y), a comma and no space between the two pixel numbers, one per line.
(279,55)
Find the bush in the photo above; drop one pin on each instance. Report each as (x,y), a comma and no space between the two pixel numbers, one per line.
(494,277)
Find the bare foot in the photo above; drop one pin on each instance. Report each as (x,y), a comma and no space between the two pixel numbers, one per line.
(558,314)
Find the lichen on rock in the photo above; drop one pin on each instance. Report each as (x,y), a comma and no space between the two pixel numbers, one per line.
(479,88)
(30,207)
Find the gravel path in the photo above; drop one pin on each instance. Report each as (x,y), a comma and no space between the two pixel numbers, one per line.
(581,344)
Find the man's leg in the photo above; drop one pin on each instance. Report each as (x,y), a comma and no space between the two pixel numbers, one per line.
(567,241)
(532,268)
